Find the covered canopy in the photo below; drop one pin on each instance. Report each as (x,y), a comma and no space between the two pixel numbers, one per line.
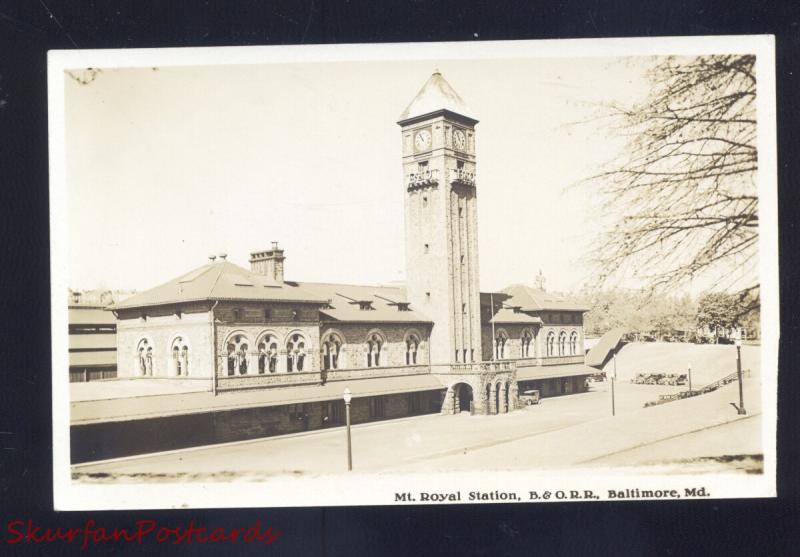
(605,348)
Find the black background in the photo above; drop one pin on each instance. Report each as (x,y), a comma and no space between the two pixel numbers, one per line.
(29,29)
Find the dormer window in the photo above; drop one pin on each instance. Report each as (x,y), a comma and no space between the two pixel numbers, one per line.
(403,306)
(365,306)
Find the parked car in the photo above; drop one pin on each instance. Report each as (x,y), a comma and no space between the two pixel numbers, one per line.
(529,398)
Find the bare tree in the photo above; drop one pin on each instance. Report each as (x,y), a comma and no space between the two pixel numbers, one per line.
(685,185)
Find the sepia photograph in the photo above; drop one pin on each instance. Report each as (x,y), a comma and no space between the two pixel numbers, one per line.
(518,271)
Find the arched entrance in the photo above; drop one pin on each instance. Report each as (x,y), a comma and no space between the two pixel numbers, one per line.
(462,401)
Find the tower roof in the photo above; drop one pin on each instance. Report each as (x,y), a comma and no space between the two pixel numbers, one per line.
(436,95)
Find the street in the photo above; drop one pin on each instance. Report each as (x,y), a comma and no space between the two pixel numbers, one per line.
(562,431)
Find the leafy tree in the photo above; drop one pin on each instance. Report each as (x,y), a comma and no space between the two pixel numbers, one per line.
(684,187)
(719,312)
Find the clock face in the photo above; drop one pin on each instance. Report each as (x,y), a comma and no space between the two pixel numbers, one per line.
(422,140)
(459,140)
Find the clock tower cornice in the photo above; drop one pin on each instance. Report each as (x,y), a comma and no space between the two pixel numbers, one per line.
(443,114)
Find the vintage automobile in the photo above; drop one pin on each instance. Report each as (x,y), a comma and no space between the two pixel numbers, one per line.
(529,398)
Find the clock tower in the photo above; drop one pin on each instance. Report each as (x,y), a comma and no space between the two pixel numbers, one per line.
(441,221)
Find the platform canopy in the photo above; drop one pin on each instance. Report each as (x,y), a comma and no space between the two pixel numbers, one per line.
(553,372)
(605,348)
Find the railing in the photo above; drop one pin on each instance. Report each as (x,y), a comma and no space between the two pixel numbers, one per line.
(476,367)
(423,178)
(252,381)
(662,399)
(461,176)
(370,372)
(557,360)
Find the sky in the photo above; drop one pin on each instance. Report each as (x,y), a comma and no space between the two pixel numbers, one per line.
(168,165)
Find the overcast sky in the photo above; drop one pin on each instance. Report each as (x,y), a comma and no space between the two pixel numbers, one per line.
(166,166)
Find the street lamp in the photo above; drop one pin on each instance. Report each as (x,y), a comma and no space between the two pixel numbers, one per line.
(740,409)
(690,378)
(348,396)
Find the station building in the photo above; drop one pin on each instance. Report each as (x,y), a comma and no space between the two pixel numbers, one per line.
(276,354)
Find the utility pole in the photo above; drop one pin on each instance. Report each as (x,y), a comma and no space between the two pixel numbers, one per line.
(690,377)
(613,380)
(494,337)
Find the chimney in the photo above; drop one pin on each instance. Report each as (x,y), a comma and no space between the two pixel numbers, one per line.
(268,262)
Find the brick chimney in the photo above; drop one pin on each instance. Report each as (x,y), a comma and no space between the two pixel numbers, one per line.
(268,262)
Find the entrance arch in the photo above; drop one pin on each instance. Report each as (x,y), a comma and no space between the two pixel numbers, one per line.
(462,397)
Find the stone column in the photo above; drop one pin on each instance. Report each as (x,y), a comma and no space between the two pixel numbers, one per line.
(503,402)
(281,361)
(493,399)
(513,395)
(479,400)
(447,403)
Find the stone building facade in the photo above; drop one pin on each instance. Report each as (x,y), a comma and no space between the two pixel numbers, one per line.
(433,343)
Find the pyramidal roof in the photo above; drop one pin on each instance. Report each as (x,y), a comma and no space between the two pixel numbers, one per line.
(437,94)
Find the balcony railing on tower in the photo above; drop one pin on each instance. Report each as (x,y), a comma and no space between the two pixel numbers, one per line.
(423,178)
(462,176)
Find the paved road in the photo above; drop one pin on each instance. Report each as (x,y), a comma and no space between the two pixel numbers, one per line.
(430,442)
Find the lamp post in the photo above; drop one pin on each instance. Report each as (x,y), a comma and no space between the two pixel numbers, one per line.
(348,396)
(740,409)
(690,377)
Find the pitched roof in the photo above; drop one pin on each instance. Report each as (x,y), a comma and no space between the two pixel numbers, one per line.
(347,300)
(437,94)
(221,280)
(506,315)
(534,299)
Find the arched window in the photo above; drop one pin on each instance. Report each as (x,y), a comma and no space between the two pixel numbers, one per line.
(237,355)
(144,352)
(500,344)
(562,343)
(374,346)
(412,345)
(180,357)
(331,349)
(526,340)
(267,354)
(295,353)
(551,340)
(573,343)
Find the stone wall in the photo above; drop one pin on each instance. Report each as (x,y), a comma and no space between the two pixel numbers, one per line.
(125,438)
(538,349)
(393,353)
(160,328)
